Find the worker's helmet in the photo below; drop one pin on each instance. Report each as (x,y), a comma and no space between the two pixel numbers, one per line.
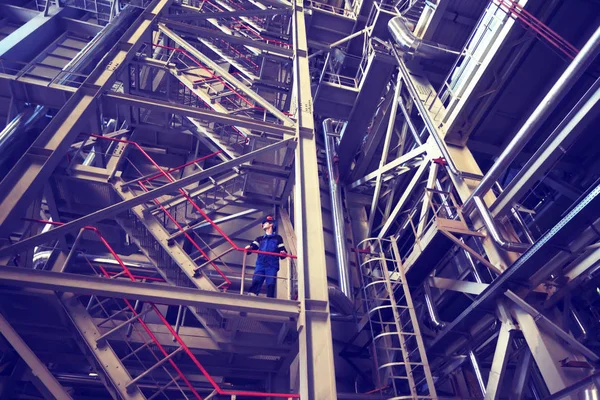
(270,219)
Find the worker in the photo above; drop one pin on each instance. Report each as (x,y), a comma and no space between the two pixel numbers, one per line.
(267,265)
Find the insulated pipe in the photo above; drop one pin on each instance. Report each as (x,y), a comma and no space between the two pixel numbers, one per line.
(340,301)
(578,321)
(429,124)
(431,309)
(18,135)
(566,81)
(337,213)
(496,236)
(477,370)
(410,45)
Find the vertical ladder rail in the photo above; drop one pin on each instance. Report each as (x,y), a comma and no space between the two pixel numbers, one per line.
(394,324)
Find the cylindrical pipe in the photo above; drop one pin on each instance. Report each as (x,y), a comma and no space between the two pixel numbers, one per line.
(431,309)
(429,124)
(18,135)
(577,318)
(337,214)
(496,236)
(566,81)
(520,221)
(410,45)
(477,370)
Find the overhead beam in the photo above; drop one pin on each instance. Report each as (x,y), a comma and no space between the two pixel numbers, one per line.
(155,293)
(192,112)
(37,367)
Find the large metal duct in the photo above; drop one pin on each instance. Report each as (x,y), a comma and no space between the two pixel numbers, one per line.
(411,46)
(337,214)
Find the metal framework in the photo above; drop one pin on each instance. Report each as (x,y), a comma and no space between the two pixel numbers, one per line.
(433,249)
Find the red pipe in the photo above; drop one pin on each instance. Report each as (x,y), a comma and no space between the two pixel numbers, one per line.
(530,21)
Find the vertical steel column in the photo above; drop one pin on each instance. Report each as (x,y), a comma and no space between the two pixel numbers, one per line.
(317,375)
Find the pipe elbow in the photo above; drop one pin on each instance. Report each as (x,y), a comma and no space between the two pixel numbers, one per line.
(492,229)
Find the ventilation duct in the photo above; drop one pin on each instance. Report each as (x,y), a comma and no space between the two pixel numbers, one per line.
(410,46)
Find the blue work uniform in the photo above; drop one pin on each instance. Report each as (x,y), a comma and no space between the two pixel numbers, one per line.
(266,265)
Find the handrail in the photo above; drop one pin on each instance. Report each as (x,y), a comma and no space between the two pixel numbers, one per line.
(178,338)
(192,202)
(183,193)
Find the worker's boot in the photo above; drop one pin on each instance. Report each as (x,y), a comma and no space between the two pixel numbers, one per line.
(270,290)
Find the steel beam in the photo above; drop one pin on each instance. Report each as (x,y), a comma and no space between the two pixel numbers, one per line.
(32,170)
(385,154)
(458,286)
(405,196)
(192,112)
(421,150)
(521,376)
(204,32)
(117,208)
(111,366)
(501,355)
(37,367)
(551,327)
(160,294)
(196,15)
(317,373)
(546,353)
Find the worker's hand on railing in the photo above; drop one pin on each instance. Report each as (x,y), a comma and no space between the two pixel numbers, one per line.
(284,254)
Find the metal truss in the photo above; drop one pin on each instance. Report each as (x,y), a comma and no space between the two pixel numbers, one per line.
(171,73)
(178,125)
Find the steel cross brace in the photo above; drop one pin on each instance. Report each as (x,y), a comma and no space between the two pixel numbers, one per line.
(117,208)
(48,150)
(37,367)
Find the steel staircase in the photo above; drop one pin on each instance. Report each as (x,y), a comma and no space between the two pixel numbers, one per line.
(247,64)
(403,369)
(174,264)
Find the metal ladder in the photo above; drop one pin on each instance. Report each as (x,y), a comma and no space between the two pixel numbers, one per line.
(398,349)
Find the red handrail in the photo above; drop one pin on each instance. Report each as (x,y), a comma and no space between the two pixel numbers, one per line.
(186,349)
(194,204)
(183,193)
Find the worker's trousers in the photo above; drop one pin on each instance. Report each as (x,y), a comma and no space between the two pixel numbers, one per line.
(262,274)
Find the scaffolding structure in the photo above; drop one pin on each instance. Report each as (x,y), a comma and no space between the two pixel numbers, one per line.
(434,250)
